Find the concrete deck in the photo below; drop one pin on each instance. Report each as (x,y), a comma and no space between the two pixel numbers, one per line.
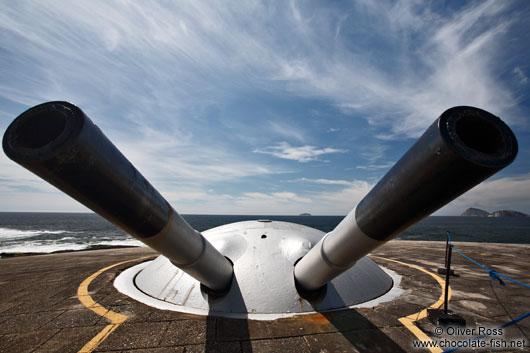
(41,310)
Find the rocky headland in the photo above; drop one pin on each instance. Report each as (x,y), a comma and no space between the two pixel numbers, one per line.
(476,212)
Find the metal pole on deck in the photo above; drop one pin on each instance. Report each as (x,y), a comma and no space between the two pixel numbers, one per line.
(447,276)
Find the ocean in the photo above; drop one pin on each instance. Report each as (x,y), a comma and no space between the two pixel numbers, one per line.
(49,232)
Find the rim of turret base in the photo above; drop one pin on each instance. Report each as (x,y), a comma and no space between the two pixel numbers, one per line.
(263,287)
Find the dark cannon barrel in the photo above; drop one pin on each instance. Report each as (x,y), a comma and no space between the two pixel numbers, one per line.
(60,144)
(463,147)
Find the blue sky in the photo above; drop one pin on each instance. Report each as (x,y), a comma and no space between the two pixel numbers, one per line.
(243,107)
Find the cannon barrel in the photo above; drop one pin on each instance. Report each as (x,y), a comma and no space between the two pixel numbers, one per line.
(463,147)
(60,144)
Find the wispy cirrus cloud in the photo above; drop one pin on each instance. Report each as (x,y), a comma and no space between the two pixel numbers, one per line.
(176,166)
(137,53)
(302,154)
(374,153)
(324,181)
(252,203)
(343,201)
(23,191)
(285,196)
(507,193)
(192,92)
(338,202)
(520,75)
(375,166)
(438,61)
(181,161)
(285,129)
(145,54)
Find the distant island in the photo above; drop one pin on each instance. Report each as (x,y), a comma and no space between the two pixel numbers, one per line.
(305,214)
(476,212)
(507,213)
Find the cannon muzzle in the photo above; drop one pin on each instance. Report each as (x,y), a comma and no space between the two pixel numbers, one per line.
(59,143)
(463,147)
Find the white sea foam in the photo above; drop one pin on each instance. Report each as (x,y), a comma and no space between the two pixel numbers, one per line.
(122,242)
(28,247)
(8,233)
(48,246)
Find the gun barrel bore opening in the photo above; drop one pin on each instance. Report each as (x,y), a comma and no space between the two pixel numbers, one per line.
(479,134)
(39,128)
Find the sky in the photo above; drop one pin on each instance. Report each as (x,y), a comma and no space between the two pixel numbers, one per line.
(266,108)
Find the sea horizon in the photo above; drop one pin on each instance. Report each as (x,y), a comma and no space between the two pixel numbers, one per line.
(46,232)
(223,214)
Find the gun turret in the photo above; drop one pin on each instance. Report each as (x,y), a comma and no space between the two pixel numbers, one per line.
(463,147)
(59,143)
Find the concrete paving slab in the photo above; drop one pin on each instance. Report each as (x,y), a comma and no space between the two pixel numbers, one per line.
(74,318)
(31,306)
(69,339)
(19,323)
(168,315)
(134,335)
(23,342)
(284,345)
(220,347)
(134,313)
(189,332)
(242,330)
(402,337)
(40,311)
(156,350)
(328,343)
(73,303)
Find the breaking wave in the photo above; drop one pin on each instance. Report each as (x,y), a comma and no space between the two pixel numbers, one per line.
(8,233)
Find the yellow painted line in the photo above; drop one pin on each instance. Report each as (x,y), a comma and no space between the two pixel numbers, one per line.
(115,318)
(409,321)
